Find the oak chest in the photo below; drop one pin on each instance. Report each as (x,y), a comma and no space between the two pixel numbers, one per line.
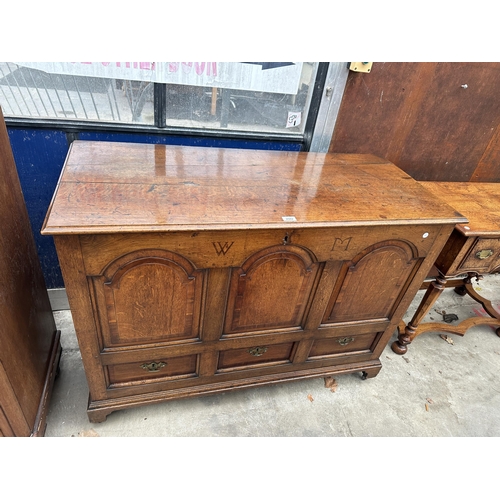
(192,270)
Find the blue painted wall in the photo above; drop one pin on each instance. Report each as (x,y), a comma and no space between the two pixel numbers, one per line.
(40,155)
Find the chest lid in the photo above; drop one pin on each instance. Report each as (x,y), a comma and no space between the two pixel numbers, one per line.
(108,187)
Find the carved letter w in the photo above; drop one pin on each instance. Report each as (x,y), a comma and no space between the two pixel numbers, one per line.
(222,248)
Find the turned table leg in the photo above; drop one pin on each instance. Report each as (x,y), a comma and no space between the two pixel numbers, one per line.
(405,338)
(468,289)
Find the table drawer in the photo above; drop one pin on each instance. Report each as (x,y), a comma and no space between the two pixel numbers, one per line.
(348,344)
(255,356)
(483,256)
(155,370)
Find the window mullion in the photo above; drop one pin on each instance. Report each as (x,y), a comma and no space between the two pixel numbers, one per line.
(160,105)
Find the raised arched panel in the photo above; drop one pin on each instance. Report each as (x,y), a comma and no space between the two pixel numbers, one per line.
(151,298)
(370,285)
(271,290)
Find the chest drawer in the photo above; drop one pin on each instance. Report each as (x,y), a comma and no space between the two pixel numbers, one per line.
(483,256)
(155,370)
(343,345)
(255,356)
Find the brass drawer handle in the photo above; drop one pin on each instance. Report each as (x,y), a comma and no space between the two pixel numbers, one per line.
(154,366)
(484,254)
(345,340)
(257,351)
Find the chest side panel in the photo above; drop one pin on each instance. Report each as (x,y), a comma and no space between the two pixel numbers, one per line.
(149,296)
(276,309)
(271,290)
(371,284)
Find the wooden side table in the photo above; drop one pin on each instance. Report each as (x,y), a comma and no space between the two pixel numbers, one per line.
(473,250)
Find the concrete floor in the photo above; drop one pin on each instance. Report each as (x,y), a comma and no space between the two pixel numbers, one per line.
(436,389)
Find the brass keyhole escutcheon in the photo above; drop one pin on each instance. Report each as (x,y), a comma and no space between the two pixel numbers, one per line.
(345,340)
(154,366)
(484,254)
(257,351)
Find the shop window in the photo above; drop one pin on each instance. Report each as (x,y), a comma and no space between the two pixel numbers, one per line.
(244,97)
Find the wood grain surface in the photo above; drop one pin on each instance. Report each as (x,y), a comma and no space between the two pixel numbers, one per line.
(478,201)
(113,187)
(438,121)
(28,339)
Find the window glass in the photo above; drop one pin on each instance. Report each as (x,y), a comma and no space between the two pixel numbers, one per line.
(244,96)
(279,101)
(29,92)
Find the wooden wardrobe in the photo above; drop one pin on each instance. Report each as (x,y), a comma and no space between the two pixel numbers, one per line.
(29,341)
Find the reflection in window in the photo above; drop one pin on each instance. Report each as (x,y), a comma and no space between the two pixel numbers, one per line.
(246,97)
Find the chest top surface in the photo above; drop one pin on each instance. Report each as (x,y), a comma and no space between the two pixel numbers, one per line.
(123,187)
(478,201)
